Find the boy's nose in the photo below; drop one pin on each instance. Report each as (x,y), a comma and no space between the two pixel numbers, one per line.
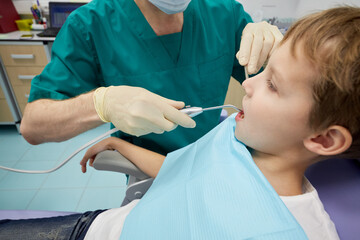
(247,87)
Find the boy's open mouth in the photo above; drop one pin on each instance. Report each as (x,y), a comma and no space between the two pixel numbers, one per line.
(240,115)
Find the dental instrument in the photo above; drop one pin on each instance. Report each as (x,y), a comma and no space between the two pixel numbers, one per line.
(194,111)
(246,73)
(191,111)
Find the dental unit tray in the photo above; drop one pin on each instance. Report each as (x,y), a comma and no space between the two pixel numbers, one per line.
(191,111)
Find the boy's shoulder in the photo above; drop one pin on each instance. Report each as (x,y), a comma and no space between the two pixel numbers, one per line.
(309,212)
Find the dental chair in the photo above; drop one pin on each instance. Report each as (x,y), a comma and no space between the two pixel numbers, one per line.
(138,182)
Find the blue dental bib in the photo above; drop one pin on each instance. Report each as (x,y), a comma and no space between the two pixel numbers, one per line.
(211,189)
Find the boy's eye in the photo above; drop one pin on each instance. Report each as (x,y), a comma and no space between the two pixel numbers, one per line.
(271,85)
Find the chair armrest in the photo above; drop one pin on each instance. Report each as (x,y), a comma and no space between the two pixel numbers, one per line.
(113,161)
(138,182)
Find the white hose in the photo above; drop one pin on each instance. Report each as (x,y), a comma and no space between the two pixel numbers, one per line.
(66,160)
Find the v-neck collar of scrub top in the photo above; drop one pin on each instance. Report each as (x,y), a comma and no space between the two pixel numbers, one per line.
(154,45)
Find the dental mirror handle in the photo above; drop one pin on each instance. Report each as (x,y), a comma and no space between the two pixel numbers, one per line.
(222,106)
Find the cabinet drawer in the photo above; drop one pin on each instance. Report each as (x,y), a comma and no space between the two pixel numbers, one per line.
(5,114)
(20,76)
(23,55)
(22,93)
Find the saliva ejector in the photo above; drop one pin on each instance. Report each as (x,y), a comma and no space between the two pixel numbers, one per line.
(191,111)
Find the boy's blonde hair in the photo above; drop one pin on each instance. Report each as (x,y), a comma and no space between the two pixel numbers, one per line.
(330,40)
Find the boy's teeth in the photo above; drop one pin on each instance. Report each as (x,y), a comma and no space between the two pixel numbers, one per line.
(241,114)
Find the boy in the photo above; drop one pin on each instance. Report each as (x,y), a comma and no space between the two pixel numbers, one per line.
(288,118)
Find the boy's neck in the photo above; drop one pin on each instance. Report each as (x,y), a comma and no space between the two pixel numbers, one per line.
(284,174)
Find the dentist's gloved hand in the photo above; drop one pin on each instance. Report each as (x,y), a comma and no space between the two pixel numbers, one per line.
(257,43)
(137,111)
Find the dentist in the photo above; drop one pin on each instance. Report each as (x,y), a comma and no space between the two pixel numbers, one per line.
(135,63)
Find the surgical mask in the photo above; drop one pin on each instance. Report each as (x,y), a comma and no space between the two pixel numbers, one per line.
(171,6)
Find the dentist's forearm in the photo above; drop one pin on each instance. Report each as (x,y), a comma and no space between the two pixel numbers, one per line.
(47,120)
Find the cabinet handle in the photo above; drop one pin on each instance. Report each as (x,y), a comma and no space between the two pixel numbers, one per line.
(26,77)
(22,56)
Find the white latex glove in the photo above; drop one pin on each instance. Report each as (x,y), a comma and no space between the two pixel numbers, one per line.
(258,41)
(137,111)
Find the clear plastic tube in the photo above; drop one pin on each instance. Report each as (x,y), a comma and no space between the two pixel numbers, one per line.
(66,160)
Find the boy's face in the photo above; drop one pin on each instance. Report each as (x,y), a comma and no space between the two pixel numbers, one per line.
(277,104)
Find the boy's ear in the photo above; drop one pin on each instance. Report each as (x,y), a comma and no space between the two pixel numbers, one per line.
(332,141)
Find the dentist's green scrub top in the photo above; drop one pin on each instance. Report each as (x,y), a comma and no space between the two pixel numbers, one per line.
(109,42)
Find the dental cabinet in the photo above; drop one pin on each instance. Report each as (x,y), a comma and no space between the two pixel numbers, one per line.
(20,62)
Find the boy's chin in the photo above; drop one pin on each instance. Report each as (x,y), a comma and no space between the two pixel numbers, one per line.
(243,141)
(250,149)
